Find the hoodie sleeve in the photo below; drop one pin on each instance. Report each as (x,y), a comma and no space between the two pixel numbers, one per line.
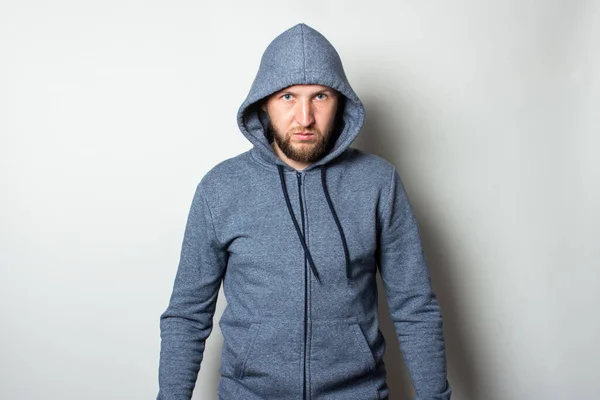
(188,320)
(412,303)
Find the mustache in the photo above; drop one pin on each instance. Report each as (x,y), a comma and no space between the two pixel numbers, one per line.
(299,130)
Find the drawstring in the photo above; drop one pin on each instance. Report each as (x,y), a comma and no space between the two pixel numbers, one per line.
(337,222)
(299,232)
(300,235)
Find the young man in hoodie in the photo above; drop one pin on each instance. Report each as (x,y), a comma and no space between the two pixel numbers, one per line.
(295,229)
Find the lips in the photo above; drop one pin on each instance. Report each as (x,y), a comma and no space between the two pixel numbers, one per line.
(304,135)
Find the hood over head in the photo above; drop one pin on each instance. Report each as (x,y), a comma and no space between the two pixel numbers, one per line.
(300,55)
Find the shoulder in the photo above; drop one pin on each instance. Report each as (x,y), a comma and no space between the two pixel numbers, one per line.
(362,165)
(225,174)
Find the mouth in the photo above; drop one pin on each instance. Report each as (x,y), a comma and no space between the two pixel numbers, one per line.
(304,135)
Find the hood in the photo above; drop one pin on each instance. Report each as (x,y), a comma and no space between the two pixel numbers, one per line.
(300,55)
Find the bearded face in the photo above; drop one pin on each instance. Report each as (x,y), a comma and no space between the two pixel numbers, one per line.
(301,120)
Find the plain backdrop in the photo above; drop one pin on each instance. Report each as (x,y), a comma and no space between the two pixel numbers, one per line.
(112,111)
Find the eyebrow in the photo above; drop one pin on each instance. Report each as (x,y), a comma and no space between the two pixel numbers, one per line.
(330,91)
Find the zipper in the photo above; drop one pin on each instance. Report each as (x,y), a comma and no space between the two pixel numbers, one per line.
(304,394)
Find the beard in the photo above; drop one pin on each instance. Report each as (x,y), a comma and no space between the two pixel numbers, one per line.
(306,151)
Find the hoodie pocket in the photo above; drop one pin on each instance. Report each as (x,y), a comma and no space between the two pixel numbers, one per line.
(245,354)
(363,345)
(268,362)
(342,364)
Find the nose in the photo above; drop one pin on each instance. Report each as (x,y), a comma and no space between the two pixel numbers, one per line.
(304,114)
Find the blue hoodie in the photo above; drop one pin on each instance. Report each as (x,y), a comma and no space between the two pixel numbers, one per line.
(297,254)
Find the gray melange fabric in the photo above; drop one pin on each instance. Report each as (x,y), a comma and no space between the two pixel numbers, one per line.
(301,320)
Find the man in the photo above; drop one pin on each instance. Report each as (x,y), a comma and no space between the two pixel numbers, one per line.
(295,229)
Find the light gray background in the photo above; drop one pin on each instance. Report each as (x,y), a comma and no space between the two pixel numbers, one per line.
(111,112)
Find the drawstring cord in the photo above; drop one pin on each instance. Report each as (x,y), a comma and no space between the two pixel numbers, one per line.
(299,232)
(300,235)
(337,222)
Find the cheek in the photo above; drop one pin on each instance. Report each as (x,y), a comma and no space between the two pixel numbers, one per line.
(327,119)
(280,117)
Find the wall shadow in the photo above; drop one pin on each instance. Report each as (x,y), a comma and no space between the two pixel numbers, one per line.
(460,356)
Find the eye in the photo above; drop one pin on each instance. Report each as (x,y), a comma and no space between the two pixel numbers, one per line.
(286,96)
(321,96)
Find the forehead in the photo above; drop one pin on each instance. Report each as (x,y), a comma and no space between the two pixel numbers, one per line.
(306,89)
